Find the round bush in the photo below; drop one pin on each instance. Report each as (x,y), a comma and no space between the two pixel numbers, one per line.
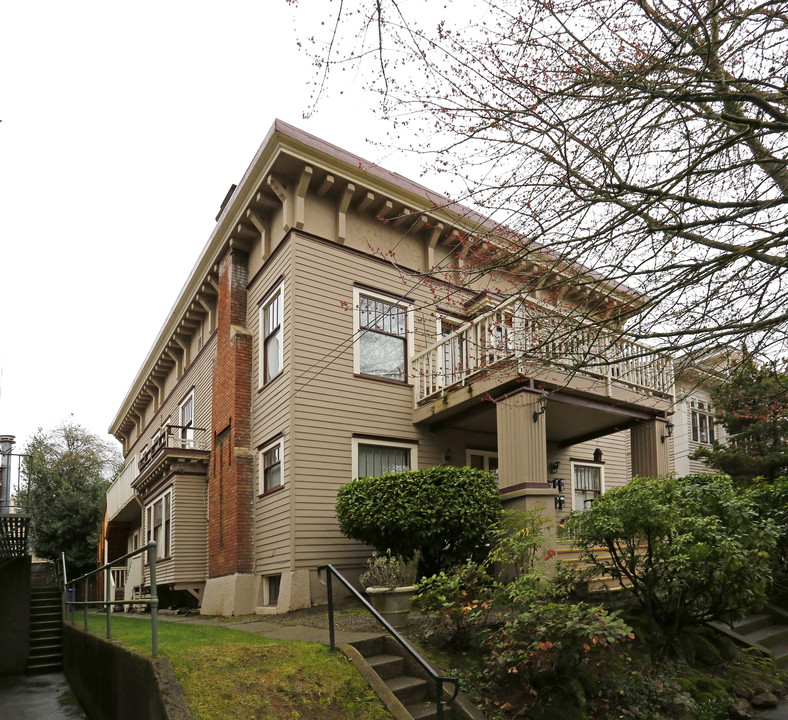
(444,512)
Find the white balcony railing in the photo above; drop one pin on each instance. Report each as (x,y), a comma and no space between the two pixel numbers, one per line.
(120,493)
(533,334)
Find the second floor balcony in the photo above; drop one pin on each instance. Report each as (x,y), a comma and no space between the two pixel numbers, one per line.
(523,338)
(171,440)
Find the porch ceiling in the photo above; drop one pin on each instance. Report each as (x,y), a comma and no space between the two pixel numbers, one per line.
(570,419)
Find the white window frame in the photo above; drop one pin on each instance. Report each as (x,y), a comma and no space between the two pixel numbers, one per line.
(148,530)
(356,441)
(580,463)
(277,292)
(280,443)
(409,329)
(708,413)
(485,454)
(186,435)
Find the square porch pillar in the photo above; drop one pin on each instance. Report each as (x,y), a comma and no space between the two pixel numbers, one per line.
(522,441)
(650,456)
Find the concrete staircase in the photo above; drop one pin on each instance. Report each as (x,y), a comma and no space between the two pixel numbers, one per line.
(565,553)
(46,628)
(402,684)
(766,630)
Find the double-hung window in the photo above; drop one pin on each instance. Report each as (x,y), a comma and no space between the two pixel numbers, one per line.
(702,422)
(587,483)
(186,421)
(271,466)
(378,457)
(382,346)
(158,524)
(271,336)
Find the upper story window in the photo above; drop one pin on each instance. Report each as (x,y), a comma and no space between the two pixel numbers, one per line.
(382,326)
(271,466)
(271,340)
(702,422)
(378,457)
(186,421)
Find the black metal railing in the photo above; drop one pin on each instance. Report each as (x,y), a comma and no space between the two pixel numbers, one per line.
(438,680)
(70,592)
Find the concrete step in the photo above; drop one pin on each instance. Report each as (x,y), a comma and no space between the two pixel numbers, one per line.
(39,668)
(427,710)
(768,636)
(386,666)
(407,689)
(750,623)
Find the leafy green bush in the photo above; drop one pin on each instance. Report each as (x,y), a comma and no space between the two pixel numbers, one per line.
(771,501)
(546,644)
(445,513)
(460,598)
(688,550)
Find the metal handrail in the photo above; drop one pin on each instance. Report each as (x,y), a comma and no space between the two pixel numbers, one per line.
(153,602)
(439,680)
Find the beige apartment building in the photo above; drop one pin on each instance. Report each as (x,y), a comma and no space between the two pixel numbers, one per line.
(336,325)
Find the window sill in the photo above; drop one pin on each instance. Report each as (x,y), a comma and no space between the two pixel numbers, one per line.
(267,385)
(271,491)
(379,378)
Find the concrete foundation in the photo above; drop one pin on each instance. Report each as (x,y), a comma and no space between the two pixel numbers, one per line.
(229,595)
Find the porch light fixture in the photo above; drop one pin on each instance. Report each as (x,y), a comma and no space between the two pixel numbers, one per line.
(669,430)
(557,484)
(560,502)
(541,403)
(554,466)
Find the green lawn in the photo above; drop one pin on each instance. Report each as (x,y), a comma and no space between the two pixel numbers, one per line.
(230,674)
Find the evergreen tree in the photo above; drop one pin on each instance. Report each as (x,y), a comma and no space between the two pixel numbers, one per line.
(752,405)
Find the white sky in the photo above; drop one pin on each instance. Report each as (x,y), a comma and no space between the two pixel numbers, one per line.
(123,126)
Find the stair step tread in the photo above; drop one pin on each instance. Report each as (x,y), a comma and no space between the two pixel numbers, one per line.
(747,620)
(426,709)
(403,682)
(376,660)
(763,634)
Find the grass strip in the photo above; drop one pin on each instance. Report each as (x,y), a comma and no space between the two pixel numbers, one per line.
(228,674)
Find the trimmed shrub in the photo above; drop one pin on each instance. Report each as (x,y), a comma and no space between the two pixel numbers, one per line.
(445,513)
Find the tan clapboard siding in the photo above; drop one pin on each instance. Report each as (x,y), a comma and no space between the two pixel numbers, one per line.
(615,455)
(271,416)
(199,376)
(336,405)
(189,529)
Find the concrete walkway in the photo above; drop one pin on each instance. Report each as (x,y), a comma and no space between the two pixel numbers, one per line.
(38,697)
(271,628)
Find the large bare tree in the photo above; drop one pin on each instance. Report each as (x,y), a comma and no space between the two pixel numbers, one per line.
(646,140)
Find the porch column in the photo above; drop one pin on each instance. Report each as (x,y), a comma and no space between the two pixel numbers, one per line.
(650,456)
(522,442)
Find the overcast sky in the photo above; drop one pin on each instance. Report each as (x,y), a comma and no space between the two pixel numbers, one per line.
(123,126)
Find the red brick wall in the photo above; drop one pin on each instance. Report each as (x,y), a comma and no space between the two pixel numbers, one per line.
(230,484)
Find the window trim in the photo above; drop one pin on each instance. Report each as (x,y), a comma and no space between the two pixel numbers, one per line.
(586,463)
(706,412)
(148,517)
(485,454)
(277,291)
(358,292)
(356,441)
(186,432)
(261,489)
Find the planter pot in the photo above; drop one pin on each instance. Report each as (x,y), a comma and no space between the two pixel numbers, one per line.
(392,603)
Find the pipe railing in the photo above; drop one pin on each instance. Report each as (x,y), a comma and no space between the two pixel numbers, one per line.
(70,602)
(439,680)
